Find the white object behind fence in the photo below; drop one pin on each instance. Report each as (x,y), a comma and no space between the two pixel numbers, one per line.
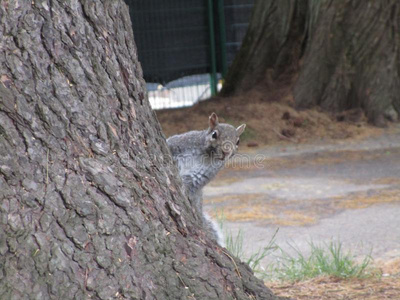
(182,92)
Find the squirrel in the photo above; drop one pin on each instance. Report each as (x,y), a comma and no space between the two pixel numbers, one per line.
(199,156)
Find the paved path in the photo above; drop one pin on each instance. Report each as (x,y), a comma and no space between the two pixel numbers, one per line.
(348,191)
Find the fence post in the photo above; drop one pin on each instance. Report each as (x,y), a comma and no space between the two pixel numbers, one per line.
(222,32)
(213,75)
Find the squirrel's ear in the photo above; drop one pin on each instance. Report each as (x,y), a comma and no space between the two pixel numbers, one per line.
(213,120)
(240,129)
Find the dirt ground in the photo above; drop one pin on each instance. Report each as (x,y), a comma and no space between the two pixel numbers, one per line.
(327,288)
(270,119)
(386,286)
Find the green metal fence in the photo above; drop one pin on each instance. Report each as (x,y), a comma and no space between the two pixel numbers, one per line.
(186,46)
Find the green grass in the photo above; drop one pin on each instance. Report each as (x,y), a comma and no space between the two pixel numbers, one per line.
(326,260)
(254,261)
(323,260)
(235,246)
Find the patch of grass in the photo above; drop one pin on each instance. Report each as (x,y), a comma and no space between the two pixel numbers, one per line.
(235,246)
(254,261)
(323,260)
(326,260)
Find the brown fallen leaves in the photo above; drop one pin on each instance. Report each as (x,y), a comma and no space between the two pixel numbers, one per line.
(324,288)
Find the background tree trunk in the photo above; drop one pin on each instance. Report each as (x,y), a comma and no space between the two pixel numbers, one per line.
(273,41)
(91,207)
(342,54)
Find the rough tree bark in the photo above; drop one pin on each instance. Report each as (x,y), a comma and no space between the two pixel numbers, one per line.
(344,54)
(90,203)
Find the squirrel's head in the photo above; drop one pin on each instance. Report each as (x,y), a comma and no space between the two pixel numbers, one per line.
(222,140)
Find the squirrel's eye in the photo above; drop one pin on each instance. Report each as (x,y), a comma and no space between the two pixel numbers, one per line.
(214,135)
(237,143)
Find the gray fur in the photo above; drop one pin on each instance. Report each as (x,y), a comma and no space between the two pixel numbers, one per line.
(199,156)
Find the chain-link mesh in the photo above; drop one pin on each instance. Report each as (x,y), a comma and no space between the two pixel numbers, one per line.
(174,45)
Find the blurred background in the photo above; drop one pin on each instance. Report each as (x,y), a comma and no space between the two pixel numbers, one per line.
(315,191)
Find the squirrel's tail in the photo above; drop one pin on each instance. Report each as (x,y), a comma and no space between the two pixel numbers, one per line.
(213,229)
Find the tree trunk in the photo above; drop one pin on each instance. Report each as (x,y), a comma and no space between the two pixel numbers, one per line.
(273,41)
(343,54)
(91,206)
